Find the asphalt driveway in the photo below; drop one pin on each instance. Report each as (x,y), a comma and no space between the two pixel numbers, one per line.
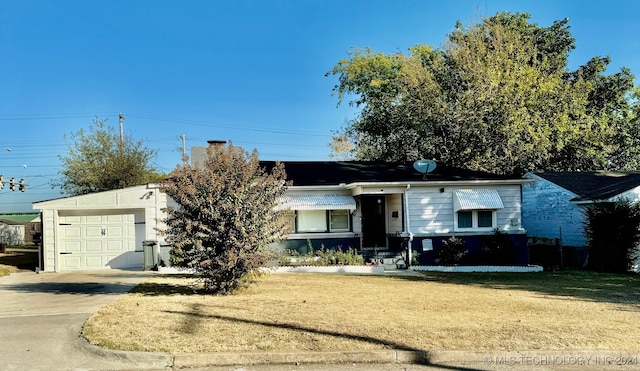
(41,318)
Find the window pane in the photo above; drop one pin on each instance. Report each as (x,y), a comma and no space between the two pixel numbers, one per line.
(289,218)
(312,221)
(339,220)
(465,219)
(485,219)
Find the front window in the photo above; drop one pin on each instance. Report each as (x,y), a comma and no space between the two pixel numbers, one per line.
(465,219)
(289,219)
(312,221)
(339,220)
(469,219)
(485,219)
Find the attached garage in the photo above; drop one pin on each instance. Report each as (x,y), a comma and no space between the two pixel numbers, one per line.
(103,230)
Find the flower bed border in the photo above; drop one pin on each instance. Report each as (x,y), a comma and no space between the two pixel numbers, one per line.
(479,268)
(364,269)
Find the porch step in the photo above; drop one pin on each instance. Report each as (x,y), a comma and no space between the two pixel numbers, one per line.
(390,260)
(392,264)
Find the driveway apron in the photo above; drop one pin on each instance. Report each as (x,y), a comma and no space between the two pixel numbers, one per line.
(41,318)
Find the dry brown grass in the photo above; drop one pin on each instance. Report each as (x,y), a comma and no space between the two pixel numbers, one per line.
(6,270)
(316,312)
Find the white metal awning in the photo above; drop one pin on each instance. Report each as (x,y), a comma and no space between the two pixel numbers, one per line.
(317,202)
(479,199)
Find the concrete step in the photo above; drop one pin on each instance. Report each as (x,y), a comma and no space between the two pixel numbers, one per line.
(390,264)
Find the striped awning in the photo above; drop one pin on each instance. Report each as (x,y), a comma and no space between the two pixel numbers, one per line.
(317,202)
(478,199)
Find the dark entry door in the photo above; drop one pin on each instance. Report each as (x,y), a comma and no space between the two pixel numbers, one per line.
(374,226)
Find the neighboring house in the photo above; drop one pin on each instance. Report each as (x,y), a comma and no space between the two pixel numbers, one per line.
(11,233)
(20,228)
(378,208)
(101,230)
(553,203)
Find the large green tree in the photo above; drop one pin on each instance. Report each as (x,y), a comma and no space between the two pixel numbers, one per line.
(497,96)
(97,160)
(225,214)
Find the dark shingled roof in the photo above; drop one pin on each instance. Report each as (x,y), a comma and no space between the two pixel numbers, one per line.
(312,173)
(593,186)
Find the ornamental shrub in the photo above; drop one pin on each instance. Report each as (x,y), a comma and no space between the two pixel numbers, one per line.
(452,251)
(613,233)
(225,215)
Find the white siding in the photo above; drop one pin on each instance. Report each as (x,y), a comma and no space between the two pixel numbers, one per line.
(548,213)
(431,211)
(48,240)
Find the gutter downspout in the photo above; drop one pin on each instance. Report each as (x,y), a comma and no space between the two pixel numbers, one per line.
(408,225)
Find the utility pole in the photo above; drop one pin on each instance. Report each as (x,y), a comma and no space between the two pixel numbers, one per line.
(121,119)
(184,148)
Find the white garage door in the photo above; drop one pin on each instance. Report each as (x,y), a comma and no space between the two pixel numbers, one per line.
(99,242)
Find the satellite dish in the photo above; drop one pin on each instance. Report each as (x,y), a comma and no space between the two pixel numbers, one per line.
(424,166)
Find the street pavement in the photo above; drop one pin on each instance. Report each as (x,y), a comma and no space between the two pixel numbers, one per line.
(41,319)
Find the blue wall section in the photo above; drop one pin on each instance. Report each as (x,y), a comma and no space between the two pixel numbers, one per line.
(513,250)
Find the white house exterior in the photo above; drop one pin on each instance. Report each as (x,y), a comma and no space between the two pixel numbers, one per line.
(393,207)
(101,230)
(419,209)
(381,209)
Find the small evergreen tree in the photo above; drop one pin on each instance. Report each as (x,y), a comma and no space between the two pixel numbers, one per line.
(452,251)
(225,216)
(613,233)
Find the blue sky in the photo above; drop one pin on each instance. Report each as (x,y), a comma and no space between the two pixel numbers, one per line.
(247,71)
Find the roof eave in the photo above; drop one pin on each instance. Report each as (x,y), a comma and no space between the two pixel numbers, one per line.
(441,183)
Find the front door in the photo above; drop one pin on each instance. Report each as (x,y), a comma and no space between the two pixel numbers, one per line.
(374,226)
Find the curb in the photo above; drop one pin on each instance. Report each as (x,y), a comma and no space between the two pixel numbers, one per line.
(355,269)
(280,358)
(533,358)
(128,359)
(479,268)
(444,358)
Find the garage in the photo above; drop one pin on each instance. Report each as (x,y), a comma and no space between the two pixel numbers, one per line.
(103,230)
(90,242)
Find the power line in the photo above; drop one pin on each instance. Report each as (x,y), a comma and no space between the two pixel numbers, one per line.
(200,123)
(228,126)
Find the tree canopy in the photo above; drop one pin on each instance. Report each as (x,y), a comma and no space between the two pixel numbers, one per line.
(97,160)
(497,96)
(225,215)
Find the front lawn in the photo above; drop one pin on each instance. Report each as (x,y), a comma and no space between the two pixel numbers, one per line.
(319,312)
